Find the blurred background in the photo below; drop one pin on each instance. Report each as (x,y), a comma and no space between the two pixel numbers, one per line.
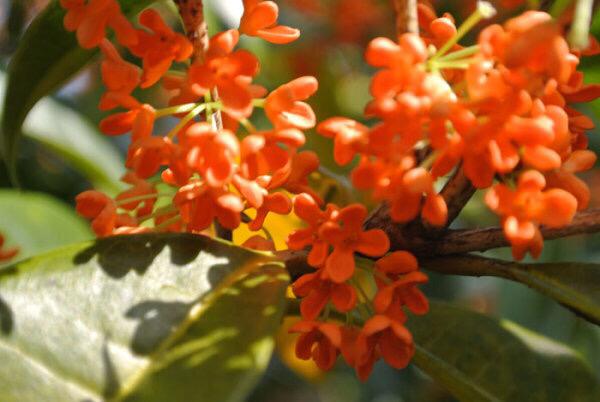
(63,154)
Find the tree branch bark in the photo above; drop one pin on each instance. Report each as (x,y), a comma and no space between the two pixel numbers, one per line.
(192,15)
(456,242)
(406,16)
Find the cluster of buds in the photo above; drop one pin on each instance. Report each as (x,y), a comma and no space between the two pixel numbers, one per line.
(500,110)
(213,165)
(340,283)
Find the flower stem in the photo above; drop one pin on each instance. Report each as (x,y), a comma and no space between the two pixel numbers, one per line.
(186,119)
(484,10)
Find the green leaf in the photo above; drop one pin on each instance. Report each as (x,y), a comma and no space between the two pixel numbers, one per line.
(478,358)
(574,285)
(47,57)
(37,222)
(71,137)
(168,317)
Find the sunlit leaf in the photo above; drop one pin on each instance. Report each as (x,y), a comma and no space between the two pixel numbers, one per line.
(139,318)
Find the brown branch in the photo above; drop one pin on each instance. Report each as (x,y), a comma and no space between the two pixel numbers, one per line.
(192,15)
(469,240)
(456,242)
(406,16)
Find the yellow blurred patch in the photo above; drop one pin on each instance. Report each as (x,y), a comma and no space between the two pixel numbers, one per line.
(286,345)
(279,226)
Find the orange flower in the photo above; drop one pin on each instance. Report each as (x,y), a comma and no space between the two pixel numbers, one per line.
(346,236)
(284,106)
(401,270)
(141,197)
(260,19)
(210,153)
(160,48)
(266,152)
(317,292)
(230,72)
(139,120)
(90,19)
(308,210)
(565,178)
(302,165)
(277,203)
(318,341)
(199,205)
(525,208)
(7,254)
(100,208)
(385,337)
(146,155)
(119,76)
(350,137)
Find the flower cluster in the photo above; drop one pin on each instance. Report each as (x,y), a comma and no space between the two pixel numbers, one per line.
(212,171)
(6,254)
(500,109)
(335,235)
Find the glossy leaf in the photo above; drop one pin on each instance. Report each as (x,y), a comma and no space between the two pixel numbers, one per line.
(574,285)
(479,358)
(37,223)
(78,142)
(47,57)
(139,318)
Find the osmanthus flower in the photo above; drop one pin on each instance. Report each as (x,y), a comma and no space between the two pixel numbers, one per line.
(90,19)
(212,154)
(140,198)
(199,205)
(316,292)
(565,178)
(139,119)
(267,152)
(260,19)
(345,234)
(319,341)
(350,137)
(397,278)
(285,108)
(525,208)
(158,48)
(100,209)
(7,254)
(228,71)
(385,337)
(435,30)
(119,76)
(147,155)
(307,209)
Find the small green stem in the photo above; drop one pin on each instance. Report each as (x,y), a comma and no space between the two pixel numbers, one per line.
(484,10)
(176,109)
(186,119)
(580,30)
(140,198)
(168,223)
(247,124)
(259,102)
(459,54)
